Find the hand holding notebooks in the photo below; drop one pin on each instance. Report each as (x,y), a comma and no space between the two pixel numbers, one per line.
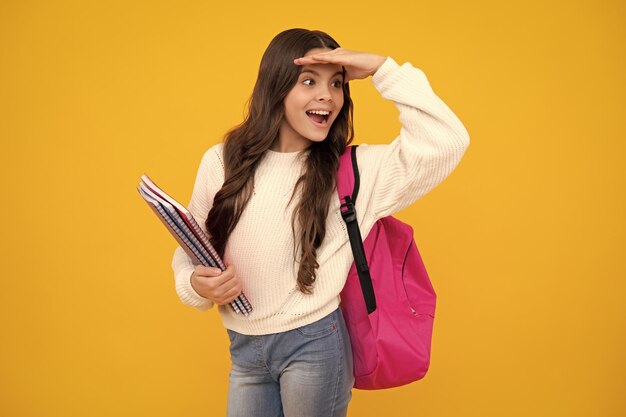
(181,224)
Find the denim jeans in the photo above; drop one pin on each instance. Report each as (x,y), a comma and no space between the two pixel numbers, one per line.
(304,372)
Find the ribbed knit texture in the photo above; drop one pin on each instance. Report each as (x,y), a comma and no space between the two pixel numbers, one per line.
(431,143)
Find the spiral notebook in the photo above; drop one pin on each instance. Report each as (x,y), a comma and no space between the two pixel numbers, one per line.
(182,225)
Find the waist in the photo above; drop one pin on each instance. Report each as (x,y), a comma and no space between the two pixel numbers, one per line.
(282,320)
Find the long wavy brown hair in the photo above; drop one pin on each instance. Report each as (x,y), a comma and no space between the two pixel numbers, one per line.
(246,143)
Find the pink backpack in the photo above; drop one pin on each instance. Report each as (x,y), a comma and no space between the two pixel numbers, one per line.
(388,306)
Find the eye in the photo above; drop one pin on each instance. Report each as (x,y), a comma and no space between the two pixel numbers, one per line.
(308,81)
(337,83)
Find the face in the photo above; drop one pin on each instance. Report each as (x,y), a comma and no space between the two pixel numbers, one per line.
(312,105)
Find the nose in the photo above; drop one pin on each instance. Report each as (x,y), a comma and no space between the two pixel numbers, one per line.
(323,93)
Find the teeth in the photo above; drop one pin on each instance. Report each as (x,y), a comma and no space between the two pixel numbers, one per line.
(321,112)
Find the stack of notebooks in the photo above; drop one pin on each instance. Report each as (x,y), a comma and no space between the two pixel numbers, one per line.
(187,233)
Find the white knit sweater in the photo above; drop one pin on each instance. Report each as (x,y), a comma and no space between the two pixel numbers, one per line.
(431,143)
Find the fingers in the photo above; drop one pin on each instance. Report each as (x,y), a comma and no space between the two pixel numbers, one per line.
(207,271)
(220,286)
(336,56)
(212,276)
(227,292)
(226,284)
(231,294)
(357,65)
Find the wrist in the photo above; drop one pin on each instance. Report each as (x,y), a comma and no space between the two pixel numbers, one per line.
(381,60)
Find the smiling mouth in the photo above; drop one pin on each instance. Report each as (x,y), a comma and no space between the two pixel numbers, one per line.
(319,119)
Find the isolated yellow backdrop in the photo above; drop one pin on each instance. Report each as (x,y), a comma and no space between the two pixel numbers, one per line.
(524,242)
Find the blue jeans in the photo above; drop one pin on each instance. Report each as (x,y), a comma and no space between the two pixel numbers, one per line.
(304,372)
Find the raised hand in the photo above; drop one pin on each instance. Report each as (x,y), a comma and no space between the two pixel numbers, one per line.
(358,65)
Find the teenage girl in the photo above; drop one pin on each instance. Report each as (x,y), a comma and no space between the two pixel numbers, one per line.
(272,212)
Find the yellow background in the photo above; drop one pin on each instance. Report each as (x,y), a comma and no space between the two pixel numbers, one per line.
(524,242)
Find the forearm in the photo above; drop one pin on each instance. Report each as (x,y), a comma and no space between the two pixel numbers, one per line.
(430,145)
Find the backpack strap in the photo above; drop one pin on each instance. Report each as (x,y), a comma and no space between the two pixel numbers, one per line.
(348,189)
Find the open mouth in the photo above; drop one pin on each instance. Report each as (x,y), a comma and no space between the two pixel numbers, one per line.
(319,117)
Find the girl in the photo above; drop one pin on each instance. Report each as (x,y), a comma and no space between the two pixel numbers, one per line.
(271,208)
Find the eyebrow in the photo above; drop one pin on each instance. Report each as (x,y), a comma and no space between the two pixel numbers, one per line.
(317,73)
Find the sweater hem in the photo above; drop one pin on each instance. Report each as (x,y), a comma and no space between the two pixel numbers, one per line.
(249,326)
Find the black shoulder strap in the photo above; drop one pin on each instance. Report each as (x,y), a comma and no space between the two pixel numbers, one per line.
(356,241)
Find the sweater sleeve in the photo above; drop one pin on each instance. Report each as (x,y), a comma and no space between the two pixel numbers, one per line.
(430,145)
(209,179)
